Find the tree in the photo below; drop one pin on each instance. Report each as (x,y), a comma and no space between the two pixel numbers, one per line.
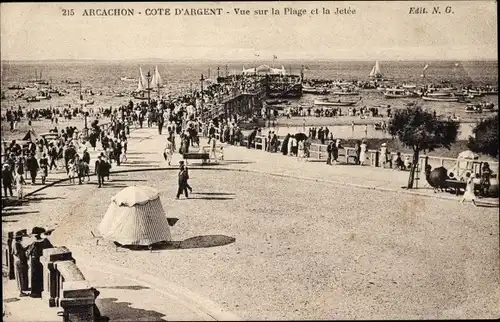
(485,138)
(421,131)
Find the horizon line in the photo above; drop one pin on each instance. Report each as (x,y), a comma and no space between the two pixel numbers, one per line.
(236,60)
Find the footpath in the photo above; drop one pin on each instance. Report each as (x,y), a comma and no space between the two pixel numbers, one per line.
(138,297)
(146,142)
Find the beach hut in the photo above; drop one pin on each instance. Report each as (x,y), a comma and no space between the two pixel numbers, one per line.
(465,163)
(30,136)
(135,216)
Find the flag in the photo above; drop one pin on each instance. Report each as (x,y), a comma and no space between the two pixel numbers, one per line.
(426,66)
(275,57)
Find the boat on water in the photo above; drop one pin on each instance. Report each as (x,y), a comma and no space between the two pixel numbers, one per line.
(340,93)
(85,102)
(449,98)
(479,107)
(409,86)
(32,99)
(144,87)
(276,102)
(314,90)
(398,93)
(127,79)
(15,87)
(376,73)
(333,103)
(43,95)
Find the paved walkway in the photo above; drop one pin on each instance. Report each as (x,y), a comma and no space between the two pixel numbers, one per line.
(138,296)
(146,148)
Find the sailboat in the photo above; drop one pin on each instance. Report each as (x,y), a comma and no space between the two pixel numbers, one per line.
(83,102)
(376,73)
(156,81)
(38,79)
(139,93)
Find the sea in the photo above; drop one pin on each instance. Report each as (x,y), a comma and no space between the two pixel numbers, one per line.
(104,79)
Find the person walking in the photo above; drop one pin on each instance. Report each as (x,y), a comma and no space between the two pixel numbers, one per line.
(53,155)
(469,190)
(32,165)
(100,171)
(7,179)
(168,152)
(182,181)
(213,146)
(20,264)
(44,167)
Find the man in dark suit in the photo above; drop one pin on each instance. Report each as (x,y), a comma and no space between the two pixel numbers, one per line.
(183,178)
(100,170)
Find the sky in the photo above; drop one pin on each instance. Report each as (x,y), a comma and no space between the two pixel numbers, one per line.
(378,30)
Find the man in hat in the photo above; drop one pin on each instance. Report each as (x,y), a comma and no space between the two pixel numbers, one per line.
(183,178)
(20,264)
(7,179)
(32,165)
(100,169)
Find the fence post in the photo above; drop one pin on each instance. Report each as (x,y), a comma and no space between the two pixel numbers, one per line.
(78,302)
(10,256)
(52,278)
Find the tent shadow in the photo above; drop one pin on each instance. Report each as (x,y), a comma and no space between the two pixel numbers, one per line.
(122,311)
(211,198)
(206,241)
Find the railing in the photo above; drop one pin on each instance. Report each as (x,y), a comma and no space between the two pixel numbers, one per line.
(319,152)
(64,284)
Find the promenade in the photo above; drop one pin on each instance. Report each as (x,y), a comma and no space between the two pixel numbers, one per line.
(130,294)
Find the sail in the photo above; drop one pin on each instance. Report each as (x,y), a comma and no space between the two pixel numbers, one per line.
(372,73)
(378,73)
(426,66)
(157,81)
(140,86)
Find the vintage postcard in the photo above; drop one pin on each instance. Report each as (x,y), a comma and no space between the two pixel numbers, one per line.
(237,160)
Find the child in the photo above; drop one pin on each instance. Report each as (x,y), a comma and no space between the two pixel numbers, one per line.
(221,153)
(407,162)
(469,190)
(72,173)
(398,162)
(19,187)
(44,167)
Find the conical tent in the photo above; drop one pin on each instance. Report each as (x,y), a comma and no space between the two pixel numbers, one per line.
(135,216)
(30,136)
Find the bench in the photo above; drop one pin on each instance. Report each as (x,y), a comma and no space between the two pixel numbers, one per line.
(196,156)
(457,185)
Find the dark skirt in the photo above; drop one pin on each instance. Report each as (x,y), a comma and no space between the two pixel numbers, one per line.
(22,276)
(36,277)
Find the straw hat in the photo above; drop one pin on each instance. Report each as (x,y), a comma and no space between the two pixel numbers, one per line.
(384,144)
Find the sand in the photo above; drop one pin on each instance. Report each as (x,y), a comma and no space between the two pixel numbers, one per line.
(350,256)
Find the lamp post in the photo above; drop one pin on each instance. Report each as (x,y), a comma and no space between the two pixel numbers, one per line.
(201,85)
(148,76)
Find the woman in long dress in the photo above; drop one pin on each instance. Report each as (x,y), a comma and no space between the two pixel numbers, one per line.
(35,251)
(469,190)
(21,265)
(168,152)
(362,153)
